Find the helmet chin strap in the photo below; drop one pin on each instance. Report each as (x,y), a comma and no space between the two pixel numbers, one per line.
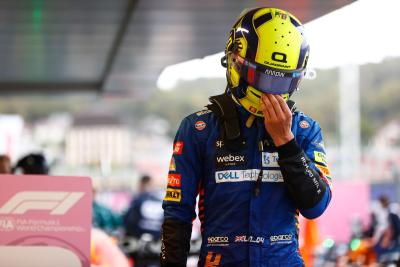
(239,94)
(235,92)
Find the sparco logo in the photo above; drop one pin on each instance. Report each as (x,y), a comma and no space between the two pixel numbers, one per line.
(58,203)
(274,73)
(217,239)
(277,238)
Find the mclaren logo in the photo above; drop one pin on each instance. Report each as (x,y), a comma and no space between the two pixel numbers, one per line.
(57,203)
(274,73)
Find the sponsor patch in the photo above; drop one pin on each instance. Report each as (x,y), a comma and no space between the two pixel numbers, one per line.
(217,241)
(320,157)
(231,159)
(202,112)
(281,239)
(232,176)
(178,148)
(270,159)
(200,125)
(219,144)
(324,170)
(249,239)
(174,179)
(172,165)
(173,195)
(304,124)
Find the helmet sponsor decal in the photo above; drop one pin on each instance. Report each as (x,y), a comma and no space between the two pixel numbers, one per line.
(279,13)
(172,165)
(173,195)
(304,124)
(253,109)
(320,157)
(200,125)
(280,57)
(178,147)
(232,176)
(174,179)
(274,73)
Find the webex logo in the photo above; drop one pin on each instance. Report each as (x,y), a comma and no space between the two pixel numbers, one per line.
(57,202)
(229,160)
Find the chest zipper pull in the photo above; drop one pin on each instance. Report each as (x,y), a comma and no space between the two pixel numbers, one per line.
(257,187)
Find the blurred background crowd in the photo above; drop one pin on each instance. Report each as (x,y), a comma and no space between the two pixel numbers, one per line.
(98,88)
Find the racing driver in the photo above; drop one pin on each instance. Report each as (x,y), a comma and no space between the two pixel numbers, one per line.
(254,161)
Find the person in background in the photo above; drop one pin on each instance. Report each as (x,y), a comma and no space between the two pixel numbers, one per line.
(5,165)
(255,162)
(387,236)
(145,214)
(34,163)
(104,218)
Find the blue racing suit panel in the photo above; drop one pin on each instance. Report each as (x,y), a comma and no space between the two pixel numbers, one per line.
(317,211)
(316,153)
(184,174)
(305,168)
(239,227)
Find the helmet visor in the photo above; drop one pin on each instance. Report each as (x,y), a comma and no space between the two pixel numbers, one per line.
(265,79)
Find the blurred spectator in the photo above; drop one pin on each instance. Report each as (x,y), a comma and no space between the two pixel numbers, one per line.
(387,239)
(104,218)
(145,214)
(371,228)
(32,164)
(5,164)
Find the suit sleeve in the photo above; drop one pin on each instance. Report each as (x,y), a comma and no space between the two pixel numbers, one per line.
(306,174)
(180,198)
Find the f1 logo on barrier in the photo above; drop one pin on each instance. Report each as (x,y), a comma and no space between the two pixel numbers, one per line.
(58,203)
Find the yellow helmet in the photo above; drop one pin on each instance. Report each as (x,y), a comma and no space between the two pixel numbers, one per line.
(266,51)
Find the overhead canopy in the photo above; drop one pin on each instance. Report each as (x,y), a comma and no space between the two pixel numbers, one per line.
(116,45)
(362,32)
(354,34)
